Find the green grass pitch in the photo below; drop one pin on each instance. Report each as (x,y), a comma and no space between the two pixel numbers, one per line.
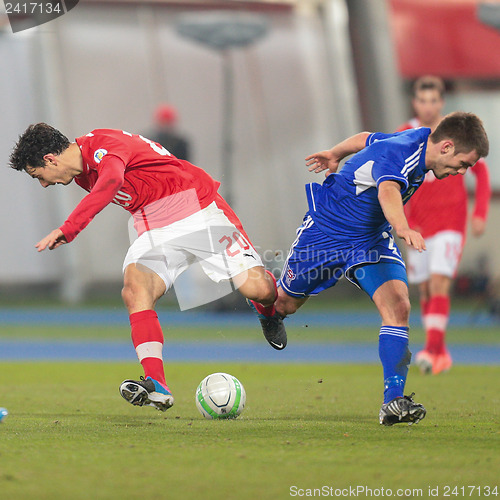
(296,334)
(70,435)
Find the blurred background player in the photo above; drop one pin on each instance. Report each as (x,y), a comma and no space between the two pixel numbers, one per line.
(166,133)
(439,211)
(178,215)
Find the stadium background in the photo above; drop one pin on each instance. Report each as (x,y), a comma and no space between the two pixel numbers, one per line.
(322,71)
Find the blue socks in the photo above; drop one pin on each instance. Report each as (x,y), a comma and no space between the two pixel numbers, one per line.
(395,356)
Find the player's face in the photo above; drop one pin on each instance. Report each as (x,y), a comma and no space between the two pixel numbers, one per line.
(51,173)
(449,163)
(428,105)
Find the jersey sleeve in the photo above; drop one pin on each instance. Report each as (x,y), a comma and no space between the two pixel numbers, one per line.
(110,180)
(483,189)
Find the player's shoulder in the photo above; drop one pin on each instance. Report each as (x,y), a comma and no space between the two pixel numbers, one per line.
(403,141)
(100,142)
(106,138)
(108,133)
(411,137)
(99,133)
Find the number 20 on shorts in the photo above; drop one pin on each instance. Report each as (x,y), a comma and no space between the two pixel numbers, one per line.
(238,238)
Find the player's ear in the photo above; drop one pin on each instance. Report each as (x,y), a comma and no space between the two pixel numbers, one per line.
(50,158)
(447,146)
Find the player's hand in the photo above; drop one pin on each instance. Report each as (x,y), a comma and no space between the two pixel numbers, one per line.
(478,225)
(413,239)
(323,160)
(53,240)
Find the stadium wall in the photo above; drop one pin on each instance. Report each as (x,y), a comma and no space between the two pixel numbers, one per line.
(110,64)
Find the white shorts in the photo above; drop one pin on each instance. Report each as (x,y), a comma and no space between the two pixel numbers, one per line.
(442,256)
(208,238)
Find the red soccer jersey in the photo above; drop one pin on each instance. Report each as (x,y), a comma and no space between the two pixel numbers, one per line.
(140,176)
(441,205)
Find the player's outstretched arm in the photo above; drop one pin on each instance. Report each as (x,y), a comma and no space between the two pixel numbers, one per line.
(53,240)
(389,196)
(478,226)
(109,181)
(482,198)
(329,159)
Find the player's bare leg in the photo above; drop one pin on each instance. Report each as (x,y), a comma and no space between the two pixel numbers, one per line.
(439,285)
(424,359)
(141,290)
(259,287)
(435,295)
(393,303)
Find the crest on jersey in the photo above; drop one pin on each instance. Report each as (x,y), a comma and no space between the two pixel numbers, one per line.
(289,276)
(99,155)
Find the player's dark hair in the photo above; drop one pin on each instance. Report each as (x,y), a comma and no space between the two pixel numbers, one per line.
(37,141)
(429,82)
(467,132)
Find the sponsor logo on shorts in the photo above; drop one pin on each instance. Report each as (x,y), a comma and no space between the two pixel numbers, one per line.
(289,276)
(99,155)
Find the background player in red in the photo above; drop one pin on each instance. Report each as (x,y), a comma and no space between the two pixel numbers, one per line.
(439,211)
(180,219)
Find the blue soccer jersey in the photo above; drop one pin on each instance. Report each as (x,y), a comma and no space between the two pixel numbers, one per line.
(346,205)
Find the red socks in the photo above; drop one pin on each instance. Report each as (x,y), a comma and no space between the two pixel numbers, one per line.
(147,337)
(435,322)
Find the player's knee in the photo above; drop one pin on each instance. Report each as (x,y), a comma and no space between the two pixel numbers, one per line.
(133,294)
(128,295)
(262,291)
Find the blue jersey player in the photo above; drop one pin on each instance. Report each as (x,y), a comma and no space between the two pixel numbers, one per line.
(347,232)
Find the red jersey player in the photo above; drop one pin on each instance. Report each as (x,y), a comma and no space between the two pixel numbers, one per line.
(179,217)
(438,210)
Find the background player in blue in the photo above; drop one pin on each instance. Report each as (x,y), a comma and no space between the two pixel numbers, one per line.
(347,231)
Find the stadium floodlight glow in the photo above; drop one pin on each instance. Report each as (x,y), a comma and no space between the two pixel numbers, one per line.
(223,31)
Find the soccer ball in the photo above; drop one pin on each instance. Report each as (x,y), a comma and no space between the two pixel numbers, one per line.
(220,395)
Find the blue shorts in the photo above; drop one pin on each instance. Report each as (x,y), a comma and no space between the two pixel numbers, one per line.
(316,261)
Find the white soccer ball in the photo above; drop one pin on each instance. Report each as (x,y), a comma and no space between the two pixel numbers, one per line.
(220,395)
